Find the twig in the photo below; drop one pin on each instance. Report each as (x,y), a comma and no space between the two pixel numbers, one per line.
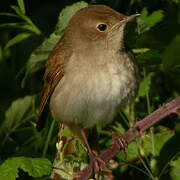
(132,134)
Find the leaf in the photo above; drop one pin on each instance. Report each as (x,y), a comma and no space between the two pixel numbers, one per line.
(146,22)
(161,137)
(169,150)
(150,57)
(8,14)
(175,169)
(39,55)
(131,152)
(17,10)
(171,55)
(155,18)
(19,112)
(66,133)
(31,28)
(10,25)
(27,21)
(21,6)
(66,15)
(140,50)
(145,85)
(35,167)
(17,39)
(23,26)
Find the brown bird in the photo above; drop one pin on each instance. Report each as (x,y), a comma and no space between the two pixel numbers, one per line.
(89,75)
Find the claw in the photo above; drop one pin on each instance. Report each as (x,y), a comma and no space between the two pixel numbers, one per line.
(96,162)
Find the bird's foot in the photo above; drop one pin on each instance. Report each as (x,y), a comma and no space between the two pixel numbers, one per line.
(97,163)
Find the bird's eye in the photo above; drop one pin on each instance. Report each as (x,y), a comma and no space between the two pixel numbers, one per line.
(101,27)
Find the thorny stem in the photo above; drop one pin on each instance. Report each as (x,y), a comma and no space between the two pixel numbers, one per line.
(132,134)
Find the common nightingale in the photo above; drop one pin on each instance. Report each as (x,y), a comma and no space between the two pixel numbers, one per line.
(90,74)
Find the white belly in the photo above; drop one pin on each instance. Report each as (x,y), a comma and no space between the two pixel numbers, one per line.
(93,97)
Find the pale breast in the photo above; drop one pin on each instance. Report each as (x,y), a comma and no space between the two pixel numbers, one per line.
(92,95)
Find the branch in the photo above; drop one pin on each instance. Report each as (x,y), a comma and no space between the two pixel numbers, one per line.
(132,134)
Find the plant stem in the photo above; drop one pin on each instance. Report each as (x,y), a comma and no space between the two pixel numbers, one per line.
(48,138)
(149,112)
(147,169)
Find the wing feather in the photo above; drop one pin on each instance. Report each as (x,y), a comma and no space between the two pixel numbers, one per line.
(55,69)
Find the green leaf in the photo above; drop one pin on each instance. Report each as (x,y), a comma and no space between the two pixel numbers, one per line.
(171,55)
(35,167)
(131,152)
(66,14)
(24,26)
(17,10)
(17,39)
(19,112)
(31,28)
(145,85)
(175,169)
(38,57)
(146,22)
(21,6)
(161,137)
(140,50)
(8,14)
(154,18)
(10,25)
(150,57)
(65,132)
(29,24)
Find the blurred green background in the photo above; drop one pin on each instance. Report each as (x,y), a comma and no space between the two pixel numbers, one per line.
(28,32)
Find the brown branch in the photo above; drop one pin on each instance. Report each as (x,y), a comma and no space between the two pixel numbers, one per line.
(132,134)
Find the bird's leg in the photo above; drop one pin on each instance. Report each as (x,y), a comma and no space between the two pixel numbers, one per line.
(86,141)
(98,163)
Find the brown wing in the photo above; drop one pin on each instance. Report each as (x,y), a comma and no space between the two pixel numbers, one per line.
(55,68)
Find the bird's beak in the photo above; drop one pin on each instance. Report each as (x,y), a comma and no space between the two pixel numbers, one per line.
(125,20)
(130,18)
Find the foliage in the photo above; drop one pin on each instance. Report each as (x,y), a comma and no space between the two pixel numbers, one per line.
(27,38)
(18,113)
(35,167)
(175,164)
(39,55)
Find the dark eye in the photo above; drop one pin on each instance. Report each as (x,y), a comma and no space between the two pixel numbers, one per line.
(102,27)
